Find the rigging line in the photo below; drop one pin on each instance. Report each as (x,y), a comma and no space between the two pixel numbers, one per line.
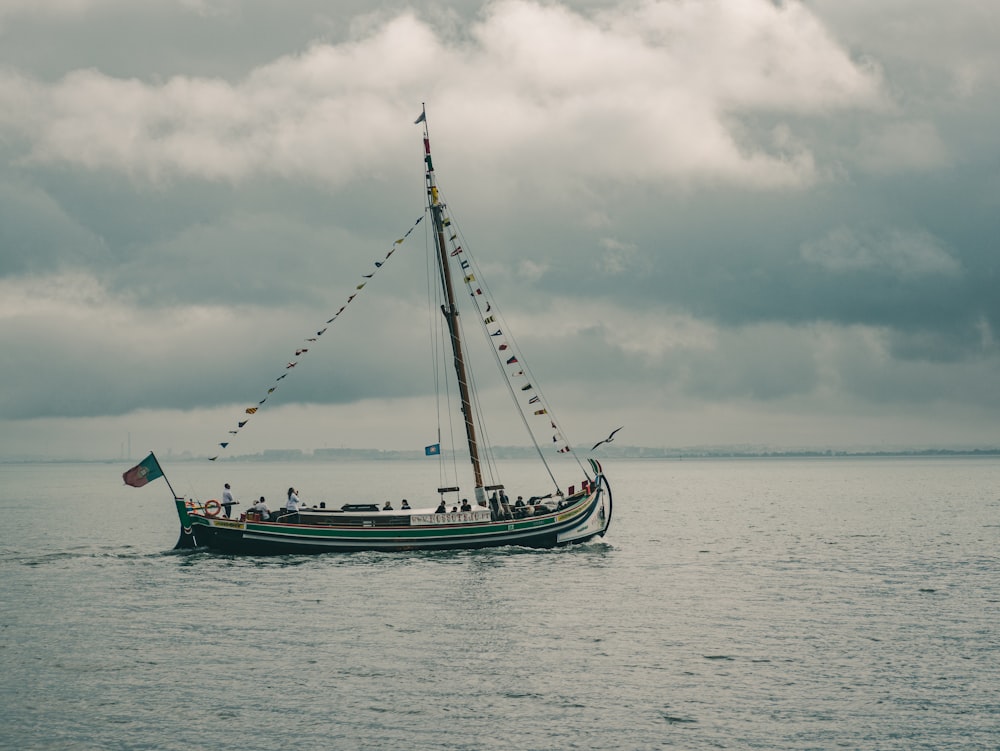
(500,362)
(437,355)
(486,444)
(524,417)
(435,322)
(476,269)
(250,411)
(432,336)
(483,440)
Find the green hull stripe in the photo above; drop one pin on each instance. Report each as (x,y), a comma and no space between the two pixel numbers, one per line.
(405,533)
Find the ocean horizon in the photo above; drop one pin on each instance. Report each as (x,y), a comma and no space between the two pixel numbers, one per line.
(524,452)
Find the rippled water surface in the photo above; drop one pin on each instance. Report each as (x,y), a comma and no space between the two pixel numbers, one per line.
(773,604)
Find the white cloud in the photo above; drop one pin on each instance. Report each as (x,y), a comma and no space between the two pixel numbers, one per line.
(923,39)
(645,92)
(904,253)
(758,55)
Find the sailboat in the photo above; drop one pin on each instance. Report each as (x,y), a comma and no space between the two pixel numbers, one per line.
(552,516)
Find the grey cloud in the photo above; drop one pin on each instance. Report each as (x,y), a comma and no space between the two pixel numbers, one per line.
(38,236)
(791,211)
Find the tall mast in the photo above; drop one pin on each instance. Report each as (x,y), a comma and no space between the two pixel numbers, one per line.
(450,310)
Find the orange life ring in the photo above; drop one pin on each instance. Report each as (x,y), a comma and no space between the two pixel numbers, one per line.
(212,508)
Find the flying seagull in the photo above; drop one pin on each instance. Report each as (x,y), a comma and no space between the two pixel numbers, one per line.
(609,439)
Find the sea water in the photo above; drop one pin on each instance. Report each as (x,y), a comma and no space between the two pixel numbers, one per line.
(765,603)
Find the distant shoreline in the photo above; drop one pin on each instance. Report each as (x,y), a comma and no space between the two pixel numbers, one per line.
(517,452)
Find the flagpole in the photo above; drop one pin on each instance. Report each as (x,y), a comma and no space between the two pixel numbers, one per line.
(164,475)
(186,540)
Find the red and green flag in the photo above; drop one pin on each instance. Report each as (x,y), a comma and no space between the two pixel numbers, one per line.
(145,471)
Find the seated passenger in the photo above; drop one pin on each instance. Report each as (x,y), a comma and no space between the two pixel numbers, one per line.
(261,508)
(465,505)
(387,506)
(441,509)
(404,505)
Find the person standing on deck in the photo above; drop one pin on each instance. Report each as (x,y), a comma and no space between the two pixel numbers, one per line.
(292,505)
(227,500)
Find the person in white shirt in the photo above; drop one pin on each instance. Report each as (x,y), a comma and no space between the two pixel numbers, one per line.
(292,505)
(261,508)
(227,500)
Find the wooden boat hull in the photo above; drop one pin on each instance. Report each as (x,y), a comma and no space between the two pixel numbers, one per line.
(585,519)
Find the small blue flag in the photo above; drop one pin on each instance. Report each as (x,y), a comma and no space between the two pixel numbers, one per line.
(433,450)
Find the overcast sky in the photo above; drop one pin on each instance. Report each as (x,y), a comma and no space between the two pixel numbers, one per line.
(741,222)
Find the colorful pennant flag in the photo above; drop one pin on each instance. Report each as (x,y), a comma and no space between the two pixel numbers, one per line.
(301,351)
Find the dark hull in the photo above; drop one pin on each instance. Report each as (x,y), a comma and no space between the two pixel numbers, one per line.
(580,522)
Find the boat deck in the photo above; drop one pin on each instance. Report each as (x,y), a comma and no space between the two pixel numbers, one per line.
(368,516)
